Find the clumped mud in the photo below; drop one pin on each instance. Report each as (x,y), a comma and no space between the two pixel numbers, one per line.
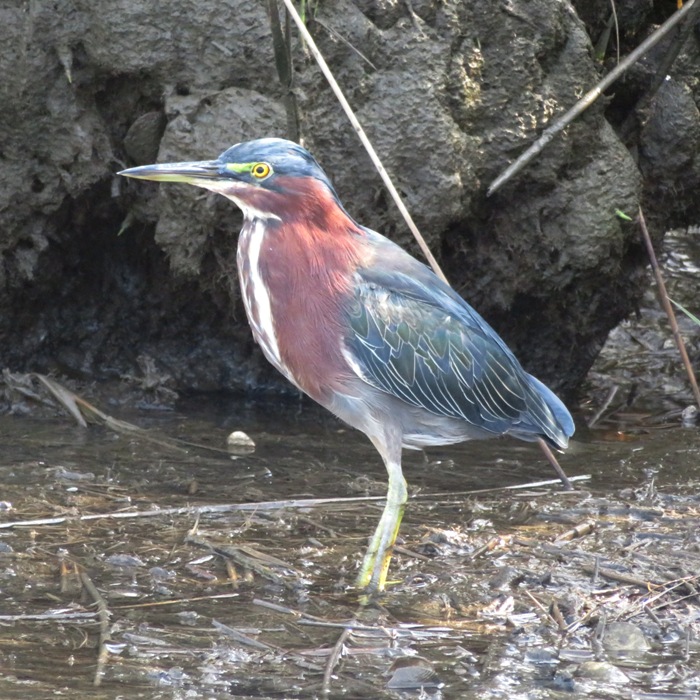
(96,273)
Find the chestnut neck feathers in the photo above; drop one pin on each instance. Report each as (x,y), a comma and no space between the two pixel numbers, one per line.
(299,264)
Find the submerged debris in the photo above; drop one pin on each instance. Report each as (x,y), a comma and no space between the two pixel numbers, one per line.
(594,592)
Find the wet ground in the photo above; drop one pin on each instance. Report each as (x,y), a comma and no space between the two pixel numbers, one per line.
(157,569)
(530,593)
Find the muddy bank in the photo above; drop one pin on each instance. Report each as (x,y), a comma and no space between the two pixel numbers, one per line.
(102,278)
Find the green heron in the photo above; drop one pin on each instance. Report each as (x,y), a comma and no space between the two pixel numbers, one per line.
(361,326)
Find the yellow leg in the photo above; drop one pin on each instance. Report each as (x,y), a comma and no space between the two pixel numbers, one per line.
(375,565)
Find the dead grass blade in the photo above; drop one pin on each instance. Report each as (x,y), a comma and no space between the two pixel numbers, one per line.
(85,413)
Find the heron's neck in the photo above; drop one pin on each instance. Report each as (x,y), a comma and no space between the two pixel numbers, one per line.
(295,280)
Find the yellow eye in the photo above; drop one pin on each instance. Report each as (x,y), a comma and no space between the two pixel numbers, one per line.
(261,170)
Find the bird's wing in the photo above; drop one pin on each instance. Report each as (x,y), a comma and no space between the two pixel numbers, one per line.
(422,343)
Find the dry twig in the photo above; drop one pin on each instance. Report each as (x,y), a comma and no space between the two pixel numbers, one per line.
(103,617)
(252,560)
(244,639)
(608,400)
(589,98)
(336,653)
(262,506)
(666,303)
(363,137)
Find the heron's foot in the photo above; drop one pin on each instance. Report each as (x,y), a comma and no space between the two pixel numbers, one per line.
(375,565)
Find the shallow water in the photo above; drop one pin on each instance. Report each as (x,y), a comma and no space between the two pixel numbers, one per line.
(485,602)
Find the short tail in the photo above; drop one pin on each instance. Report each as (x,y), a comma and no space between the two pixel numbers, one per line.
(547,418)
(558,432)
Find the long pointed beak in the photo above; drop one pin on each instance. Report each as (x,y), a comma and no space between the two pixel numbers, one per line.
(195,173)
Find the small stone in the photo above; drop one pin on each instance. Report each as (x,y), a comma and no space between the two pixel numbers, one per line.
(67,475)
(413,673)
(601,671)
(160,574)
(542,656)
(689,416)
(124,561)
(624,637)
(239,441)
